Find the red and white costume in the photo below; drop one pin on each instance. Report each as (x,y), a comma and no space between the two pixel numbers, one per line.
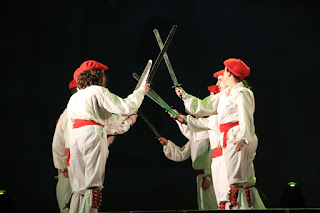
(60,146)
(218,167)
(198,147)
(89,110)
(235,118)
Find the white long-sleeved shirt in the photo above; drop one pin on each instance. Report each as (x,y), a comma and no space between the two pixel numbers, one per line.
(198,148)
(60,142)
(239,107)
(99,104)
(209,124)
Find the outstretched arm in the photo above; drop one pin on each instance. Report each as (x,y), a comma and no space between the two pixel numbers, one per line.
(126,106)
(196,106)
(118,128)
(175,153)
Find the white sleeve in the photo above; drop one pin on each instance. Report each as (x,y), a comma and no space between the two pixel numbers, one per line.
(175,153)
(118,128)
(185,131)
(196,106)
(245,102)
(114,104)
(59,151)
(198,124)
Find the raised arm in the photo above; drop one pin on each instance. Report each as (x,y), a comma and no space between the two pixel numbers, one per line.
(196,106)
(183,128)
(118,128)
(126,106)
(201,107)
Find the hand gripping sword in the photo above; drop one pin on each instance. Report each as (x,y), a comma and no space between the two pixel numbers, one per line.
(156,98)
(160,56)
(166,59)
(143,78)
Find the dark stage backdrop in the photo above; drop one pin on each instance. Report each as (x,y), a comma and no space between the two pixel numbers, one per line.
(43,42)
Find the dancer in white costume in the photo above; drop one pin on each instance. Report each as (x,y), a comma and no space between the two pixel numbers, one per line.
(210,124)
(198,147)
(235,108)
(90,109)
(60,145)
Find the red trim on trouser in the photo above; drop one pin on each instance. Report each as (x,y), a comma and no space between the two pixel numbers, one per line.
(225,128)
(96,198)
(216,152)
(199,171)
(248,196)
(222,205)
(233,195)
(77,123)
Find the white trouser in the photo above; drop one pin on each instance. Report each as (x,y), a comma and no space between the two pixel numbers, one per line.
(240,171)
(82,203)
(63,192)
(239,165)
(206,198)
(220,179)
(88,156)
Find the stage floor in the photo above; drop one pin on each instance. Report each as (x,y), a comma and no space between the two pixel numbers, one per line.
(276,210)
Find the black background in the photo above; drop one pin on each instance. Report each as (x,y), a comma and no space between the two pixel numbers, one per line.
(43,42)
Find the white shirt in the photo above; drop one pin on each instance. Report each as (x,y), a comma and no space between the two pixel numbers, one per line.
(100,105)
(60,143)
(197,147)
(237,107)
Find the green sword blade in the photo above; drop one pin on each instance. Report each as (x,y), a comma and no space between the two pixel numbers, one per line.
(166,59)
(156,98)
(160,56)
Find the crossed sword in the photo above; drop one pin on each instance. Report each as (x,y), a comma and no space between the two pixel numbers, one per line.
(148,75)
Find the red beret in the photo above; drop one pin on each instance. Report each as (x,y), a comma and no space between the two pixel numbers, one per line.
(72,84)
(89,65)
(214,88)
(217,74)
(237,67)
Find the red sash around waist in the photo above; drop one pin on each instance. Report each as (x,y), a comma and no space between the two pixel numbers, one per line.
(225,128)
(77,123)
(199,171)
(216,152)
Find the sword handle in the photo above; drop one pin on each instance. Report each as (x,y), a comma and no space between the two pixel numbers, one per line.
(179,85)
(184,121)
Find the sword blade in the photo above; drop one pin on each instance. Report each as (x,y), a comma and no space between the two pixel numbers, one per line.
(160,56)
(156,98)
(154,130)
(166,59)
(144,75)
